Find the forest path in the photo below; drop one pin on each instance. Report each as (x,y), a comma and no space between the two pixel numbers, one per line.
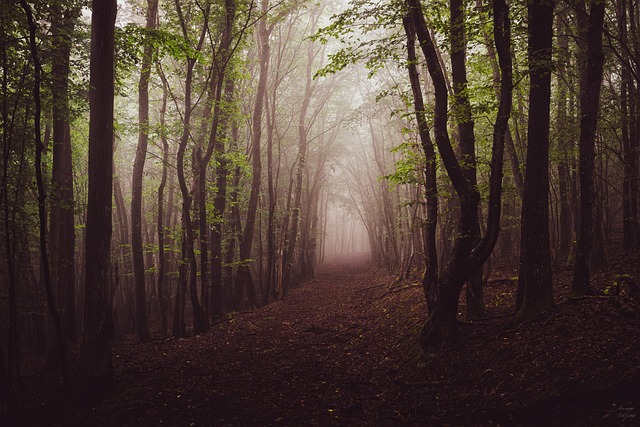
(337,351)
(324,355)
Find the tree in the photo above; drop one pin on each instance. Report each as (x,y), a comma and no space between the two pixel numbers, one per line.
(62,230)
(221,59)
(463,116)
(629,120)
(42,215)
(591,81)
(288,259)
(466,255)
(188,266)
(244,280)
(535,293)
(95,361)
(162,262)
(142,325)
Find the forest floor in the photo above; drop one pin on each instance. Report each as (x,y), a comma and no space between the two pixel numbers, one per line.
(340,350)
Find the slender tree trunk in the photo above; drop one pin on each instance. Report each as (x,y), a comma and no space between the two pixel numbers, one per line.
(442,323)
(244,280)
(42,213)
(630,227)
(591,82)
(430,276)
(564,144)
(220,205)
(509,143)
(62,231)
(233,227)
(162,263)
(11,357)
(137,256)
(301,159)
(188,252)
(217,88)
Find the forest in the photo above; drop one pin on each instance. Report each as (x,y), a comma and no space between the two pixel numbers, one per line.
(341,212)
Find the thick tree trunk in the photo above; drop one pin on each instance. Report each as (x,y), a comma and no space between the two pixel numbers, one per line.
(535,292)
(95,361)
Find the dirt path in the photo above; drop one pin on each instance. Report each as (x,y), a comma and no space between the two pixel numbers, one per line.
(337,351)
(317,357)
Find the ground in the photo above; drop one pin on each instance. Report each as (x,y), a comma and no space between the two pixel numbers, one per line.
(340,350)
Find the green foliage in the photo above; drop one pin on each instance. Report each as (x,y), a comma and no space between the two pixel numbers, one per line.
(369,32)
(618,281)
(408,169)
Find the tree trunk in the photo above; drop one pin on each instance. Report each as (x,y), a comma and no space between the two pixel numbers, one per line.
(244,280)
(137,256)
(296,211)
(62,231)
(535,292)
(162,263)
(220,206)
(441,326)
(564,144)
(630,227)
(95,361)
(590,84)
(462,113)
(430,276)
(187,274)
(10,361)
(42,213)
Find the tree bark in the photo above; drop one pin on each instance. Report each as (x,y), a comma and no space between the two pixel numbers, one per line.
(137,253)
(162,262)
(222,58)
(564,145)
(442,326)
(589,107)
(535,292)
(42,213)
(62,230)
(220,206)
(244,280)
(188,252)
(296,212)
(630,227)
(430,275)
(95,360)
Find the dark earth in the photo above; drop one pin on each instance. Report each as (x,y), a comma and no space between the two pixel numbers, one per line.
(341,350)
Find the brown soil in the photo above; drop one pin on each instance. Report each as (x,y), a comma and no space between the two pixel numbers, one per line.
(340,350)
